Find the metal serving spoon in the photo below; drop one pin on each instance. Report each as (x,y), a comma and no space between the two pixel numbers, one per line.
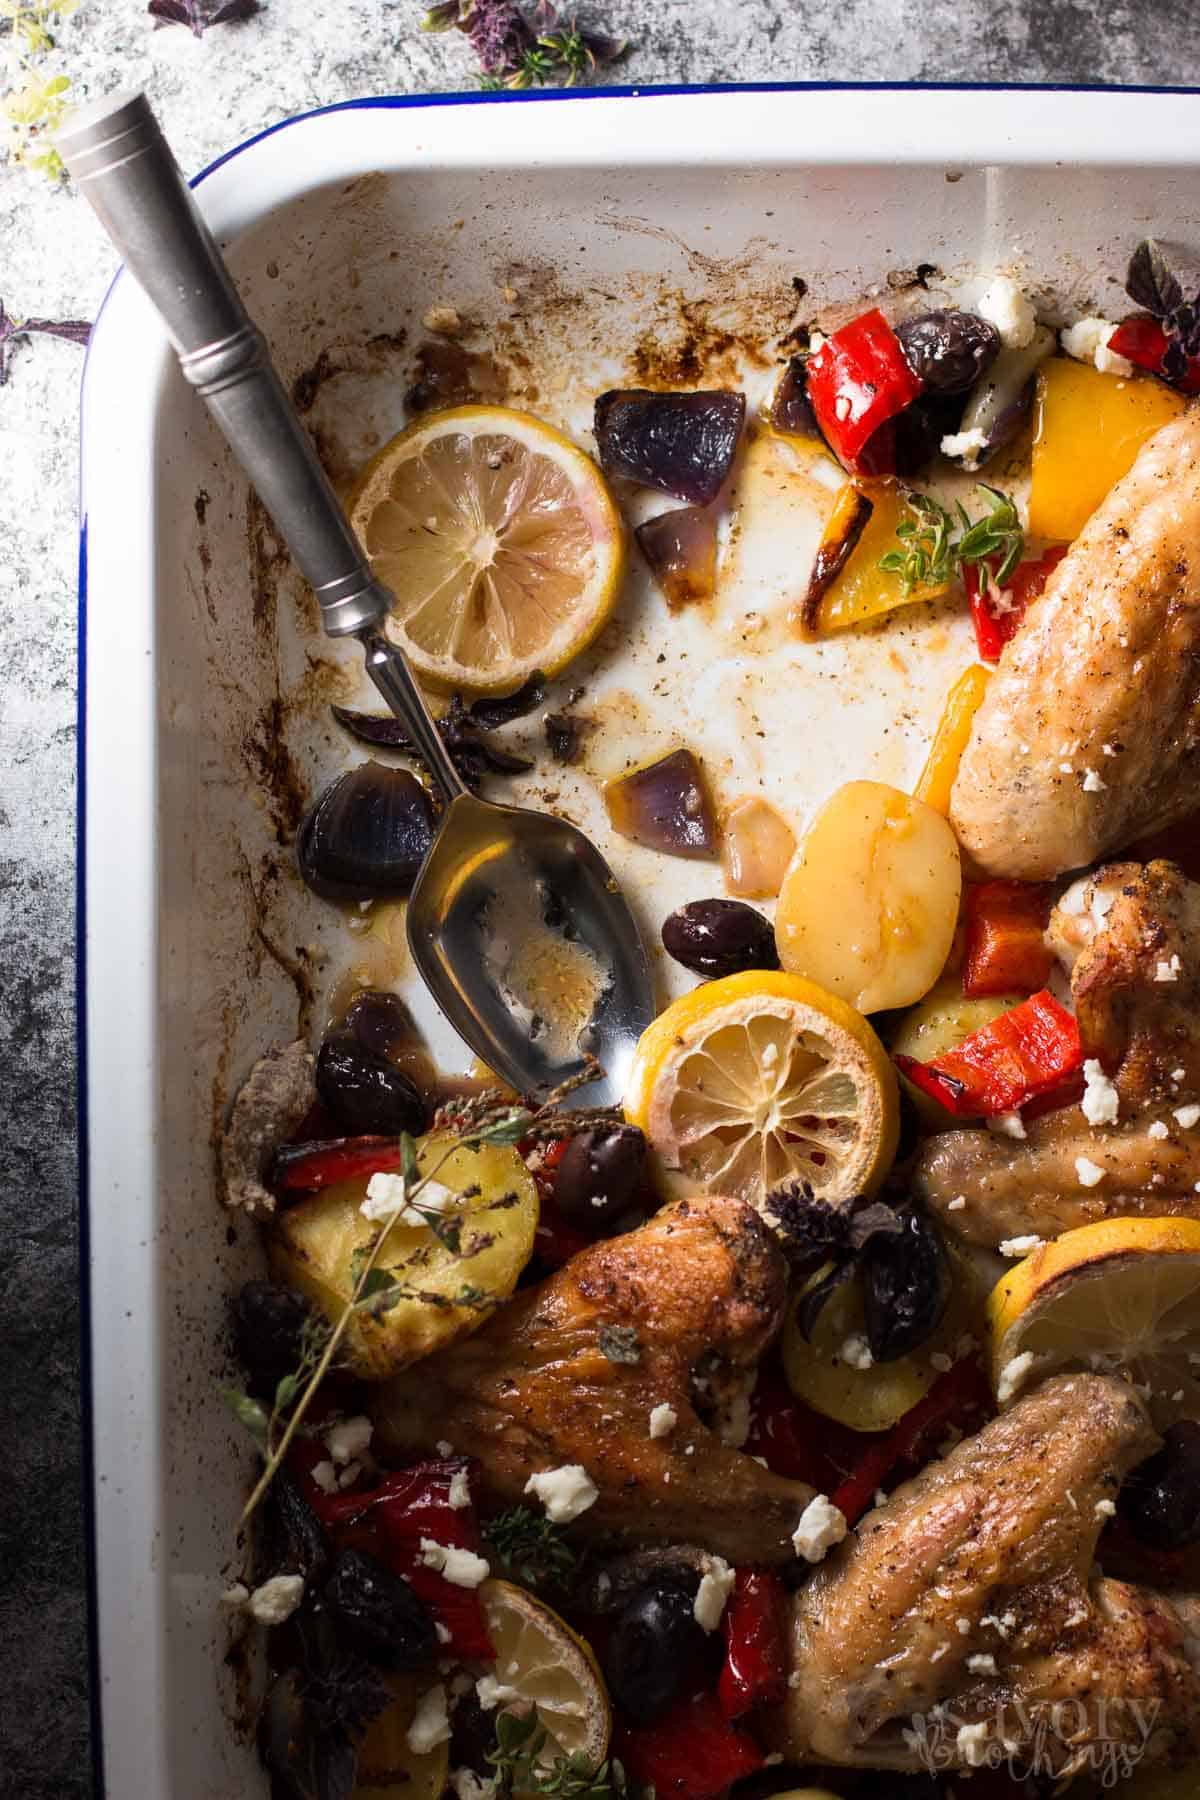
(511,907)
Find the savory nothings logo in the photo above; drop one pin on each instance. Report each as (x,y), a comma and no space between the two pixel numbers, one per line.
(1106,1737)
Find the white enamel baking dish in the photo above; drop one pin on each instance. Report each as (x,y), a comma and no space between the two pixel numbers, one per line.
(572,230)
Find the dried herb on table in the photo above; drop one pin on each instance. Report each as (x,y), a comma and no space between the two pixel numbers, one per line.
(76,331)
(198,15)
(519,51)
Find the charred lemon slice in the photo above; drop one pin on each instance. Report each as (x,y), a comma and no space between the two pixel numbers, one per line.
(762,1078)
(1121,1296)
(541,1662)
(500,541)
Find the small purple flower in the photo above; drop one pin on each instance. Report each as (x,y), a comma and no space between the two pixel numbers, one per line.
(76,331)
(499,35)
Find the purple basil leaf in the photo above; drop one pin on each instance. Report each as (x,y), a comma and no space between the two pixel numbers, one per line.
(1149,281)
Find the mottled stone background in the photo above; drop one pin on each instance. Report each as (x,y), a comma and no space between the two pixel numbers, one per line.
(210,94)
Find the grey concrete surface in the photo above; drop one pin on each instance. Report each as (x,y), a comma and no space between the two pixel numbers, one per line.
(211,93)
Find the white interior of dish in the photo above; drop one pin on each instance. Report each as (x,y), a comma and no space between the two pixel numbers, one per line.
(570,233)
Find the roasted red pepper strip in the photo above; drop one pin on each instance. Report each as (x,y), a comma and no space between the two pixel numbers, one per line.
(391,1520)
(1005,945)
(994,627)
(693,1753)
(857,381)
(1142,341)
(754,1623)
(957,1398)
(795,1441)
(303,1168)
(1026,1052)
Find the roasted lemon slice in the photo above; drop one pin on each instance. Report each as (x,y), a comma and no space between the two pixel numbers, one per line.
(762,1078)
(499,539)
(387,1763)
(1121,1296)
(540,1662)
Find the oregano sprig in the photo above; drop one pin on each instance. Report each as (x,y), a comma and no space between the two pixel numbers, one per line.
(521,1741)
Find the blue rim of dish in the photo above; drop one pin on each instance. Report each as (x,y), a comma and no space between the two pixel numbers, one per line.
(368,103)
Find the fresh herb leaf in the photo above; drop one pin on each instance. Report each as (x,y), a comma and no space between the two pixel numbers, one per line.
(929,554)
(75,331)
(198,15)
(408,1158)
(620,1344)
(1150,281)
(529,1548)
(247,1411)
(999,534)
(286,1391)
(521,1740)
(519,52)
(33,105)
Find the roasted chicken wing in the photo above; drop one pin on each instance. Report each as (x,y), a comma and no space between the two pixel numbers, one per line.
(670,1316)
(1130,937)
(1089,735)
(966,1610)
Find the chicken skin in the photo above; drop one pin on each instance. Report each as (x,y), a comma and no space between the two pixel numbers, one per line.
(671,1316)
(965,1610)
(1089,735)
(1130,937)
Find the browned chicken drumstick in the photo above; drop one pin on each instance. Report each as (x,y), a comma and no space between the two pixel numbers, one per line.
(1130,936)
(1089,735)
(965,1612)
(668,1317)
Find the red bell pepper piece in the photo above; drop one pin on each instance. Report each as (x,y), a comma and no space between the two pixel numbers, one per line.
(994,626)
(1005,947)
(754,1623)
(555,1242)
(1024,1053)
(1142,341)
(389,1521)
(857,381)
(303,1168)
(796,1442)
(958,1398)
(692,1753)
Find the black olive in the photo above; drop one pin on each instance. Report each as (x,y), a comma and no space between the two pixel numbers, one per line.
(472,1734)
(720,937)
(377,1615)
(655,1651)
(364,1091)
(381,1022)
(920,428)
(949,350)
(293,1537)
(905,1286)
(1160,1501)
(598,1177)
(268,1323)
(367,835)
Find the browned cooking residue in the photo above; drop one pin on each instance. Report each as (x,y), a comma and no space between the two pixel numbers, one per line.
(264,746)
(445,373)
(345,359)
(706,339)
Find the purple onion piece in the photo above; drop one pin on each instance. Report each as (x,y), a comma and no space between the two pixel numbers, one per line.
(790,408)
(681,444)
(665,806)
(367,835)
(681,549)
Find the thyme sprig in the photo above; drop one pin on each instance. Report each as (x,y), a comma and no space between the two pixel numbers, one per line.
(930,555)
(521,1740)
(530,1548)
(34,103)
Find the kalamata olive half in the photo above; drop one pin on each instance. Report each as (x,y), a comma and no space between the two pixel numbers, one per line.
(948,349)
(367,835)
(681,444)
(665,806)
(719,937)
(905,1287)
(1160,1501)
(920,429)
(268,1324)
(377,1615)
(382,1023)
(655,1651)
(367,1094)
(599,1175)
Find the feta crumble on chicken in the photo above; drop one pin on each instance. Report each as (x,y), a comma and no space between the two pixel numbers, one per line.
(716,1585)
(822,1525)
(564,1492)
(663,1420)
(1101,1102)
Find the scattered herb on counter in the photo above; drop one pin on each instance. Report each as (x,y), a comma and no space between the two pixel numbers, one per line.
(929,554)
(526,1546)
(521,1739)
(76,331)
(198,15)
(515,51)
(34,104)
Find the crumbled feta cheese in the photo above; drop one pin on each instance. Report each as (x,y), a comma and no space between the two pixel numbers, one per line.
(460,1490)
(971,1743)
(996,1623)
(565,1492)
(236,1596)
(856,1352)
(716,1585)
(1101,1102)
(733,1421)
(462,1567)
(467,1785)
(1004,305)
(964,1626)
(1167,971)
(350,1475)
(957,1204)
(492,1693)
(1087,1172)
(937,1655)
(430,1722)
(276,1600)
(1187,1116)
(1105,1509)
(441,1632)
(1009,1124)
(386,1200)
(1178,1075)
(663,1420)
(965,446)
(1012,1375)
(1157,1129)
(349,1438)
(1092,783)
(1021,1246)
(821,1526)
(1087,341)
(817,341)
(983,1664)
(325,1476)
